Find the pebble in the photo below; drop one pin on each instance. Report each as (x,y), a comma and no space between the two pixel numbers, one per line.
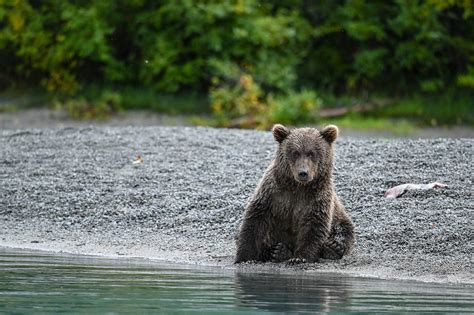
(193,183)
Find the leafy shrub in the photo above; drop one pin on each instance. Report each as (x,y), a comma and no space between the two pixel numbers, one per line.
(393,46)
(295,108)
(106,105)
(55,41)
(245,99)
(245,104)
(467,79)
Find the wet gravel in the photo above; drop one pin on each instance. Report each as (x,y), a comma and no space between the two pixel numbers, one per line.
(77,190)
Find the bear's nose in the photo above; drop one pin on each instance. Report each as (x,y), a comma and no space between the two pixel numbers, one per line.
(303,175)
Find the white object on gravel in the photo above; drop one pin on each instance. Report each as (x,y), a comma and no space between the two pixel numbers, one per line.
(399,190)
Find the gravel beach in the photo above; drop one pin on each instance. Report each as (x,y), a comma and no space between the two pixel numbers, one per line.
(77,190)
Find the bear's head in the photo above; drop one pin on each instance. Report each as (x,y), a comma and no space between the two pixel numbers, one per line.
(305,153)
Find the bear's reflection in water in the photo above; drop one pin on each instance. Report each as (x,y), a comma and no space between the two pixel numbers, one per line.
(292,293)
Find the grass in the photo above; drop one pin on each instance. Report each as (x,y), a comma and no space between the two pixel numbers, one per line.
(440,110)
(401,127)
(8,108)
(184,104)
(139,98)
(17,99)
(406,114)
(100,102)
(402,117)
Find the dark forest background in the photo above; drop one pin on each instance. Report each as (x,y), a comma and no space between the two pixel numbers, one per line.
(247,63)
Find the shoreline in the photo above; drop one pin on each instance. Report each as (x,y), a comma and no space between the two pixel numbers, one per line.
(373,274)
(77,190)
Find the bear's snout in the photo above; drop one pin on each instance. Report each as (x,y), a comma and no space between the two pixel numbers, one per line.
(302,170)
(303,175)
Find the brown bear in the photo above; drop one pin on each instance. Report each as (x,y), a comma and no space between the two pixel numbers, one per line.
(295,214)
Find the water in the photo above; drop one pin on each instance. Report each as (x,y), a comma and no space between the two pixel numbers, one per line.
(38,282)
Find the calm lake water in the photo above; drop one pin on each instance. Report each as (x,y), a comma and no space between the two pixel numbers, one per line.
(37,282)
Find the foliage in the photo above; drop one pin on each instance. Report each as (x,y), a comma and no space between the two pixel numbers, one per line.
(247,99)
(448,108)
(354,47)
(106,105)
(399,127)
(53,43)
(467,79)
(295,108)
(397,47)
(147,98)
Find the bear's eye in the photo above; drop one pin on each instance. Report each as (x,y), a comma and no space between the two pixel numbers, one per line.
(310,155)
(294,154)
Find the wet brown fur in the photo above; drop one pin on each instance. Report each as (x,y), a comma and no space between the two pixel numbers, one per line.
(294,218)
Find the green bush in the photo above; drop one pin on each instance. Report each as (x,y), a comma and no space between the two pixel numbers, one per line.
(243,99)
(397,47)
(295,108)
(245,104)
(57,43)
(107,104)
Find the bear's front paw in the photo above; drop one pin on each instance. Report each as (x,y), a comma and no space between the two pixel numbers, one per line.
(246,262)
(295,261)
(280,252)
(332,250)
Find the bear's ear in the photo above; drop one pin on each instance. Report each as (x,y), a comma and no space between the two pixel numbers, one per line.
(280,132)
(329,133)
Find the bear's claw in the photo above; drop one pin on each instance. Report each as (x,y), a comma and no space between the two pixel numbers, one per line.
(295,261)
(280,252)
